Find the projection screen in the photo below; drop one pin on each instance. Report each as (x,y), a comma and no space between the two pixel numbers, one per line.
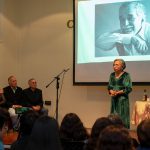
(103,32)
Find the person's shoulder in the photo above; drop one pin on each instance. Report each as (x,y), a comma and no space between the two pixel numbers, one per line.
(7,89)
(39,90)
(26,89)
(112,74)
(126,73)
(19,88)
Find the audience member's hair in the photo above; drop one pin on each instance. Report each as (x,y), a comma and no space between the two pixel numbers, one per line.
(114,138)
(72,128)
(116,120)
(27,121)
(44,135)
(98,126)
(143,133)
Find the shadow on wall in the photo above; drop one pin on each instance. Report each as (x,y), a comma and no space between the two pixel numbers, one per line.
(24,12)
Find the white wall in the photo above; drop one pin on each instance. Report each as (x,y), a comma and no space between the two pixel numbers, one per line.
(35,42)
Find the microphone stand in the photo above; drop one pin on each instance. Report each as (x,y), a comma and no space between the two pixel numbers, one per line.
(57,78)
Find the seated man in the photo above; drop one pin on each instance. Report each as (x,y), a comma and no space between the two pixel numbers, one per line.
(12,94)
(32,97)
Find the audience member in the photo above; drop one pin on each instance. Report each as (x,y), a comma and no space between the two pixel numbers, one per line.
(143,133)
(27,120)
(98,126)
(2,98)
(12,94)
(44,135)
(32,97)
(72,132)
(3,119)
(116,120)
(114,138)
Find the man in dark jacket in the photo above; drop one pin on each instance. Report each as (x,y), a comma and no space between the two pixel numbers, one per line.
(32,96)
(13,100)
(12,93)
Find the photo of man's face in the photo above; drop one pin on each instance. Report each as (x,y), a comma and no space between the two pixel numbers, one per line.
(130,19)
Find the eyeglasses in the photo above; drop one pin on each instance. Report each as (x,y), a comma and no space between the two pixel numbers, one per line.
(34,82)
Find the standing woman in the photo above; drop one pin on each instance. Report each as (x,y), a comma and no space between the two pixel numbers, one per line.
(119,87)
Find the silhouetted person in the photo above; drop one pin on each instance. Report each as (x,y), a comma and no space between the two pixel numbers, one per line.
(72,132)
(97,128)
(26,123)
(114,138)
(143,133)
(44,135)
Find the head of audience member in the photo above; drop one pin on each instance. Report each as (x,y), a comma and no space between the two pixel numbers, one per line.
(72,128)
(119,65)
(97,128)
(114,138)
(44,135)
(27,120)
(116,120)
(12,81)
(143,133)
(131,16)
(99,125)
(32,84)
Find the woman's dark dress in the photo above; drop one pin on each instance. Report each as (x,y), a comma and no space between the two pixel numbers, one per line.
(120,103)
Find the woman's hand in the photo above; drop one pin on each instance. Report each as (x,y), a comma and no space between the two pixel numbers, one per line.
(115,93)
(112,92)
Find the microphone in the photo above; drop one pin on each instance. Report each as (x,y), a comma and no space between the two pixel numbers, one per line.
(65,70)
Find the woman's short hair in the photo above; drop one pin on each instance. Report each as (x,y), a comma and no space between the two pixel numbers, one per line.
(72,127)
(143,133)
(122,62)
(115,138)
(44,135)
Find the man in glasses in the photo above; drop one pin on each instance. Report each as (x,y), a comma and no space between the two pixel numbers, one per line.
(32,96)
